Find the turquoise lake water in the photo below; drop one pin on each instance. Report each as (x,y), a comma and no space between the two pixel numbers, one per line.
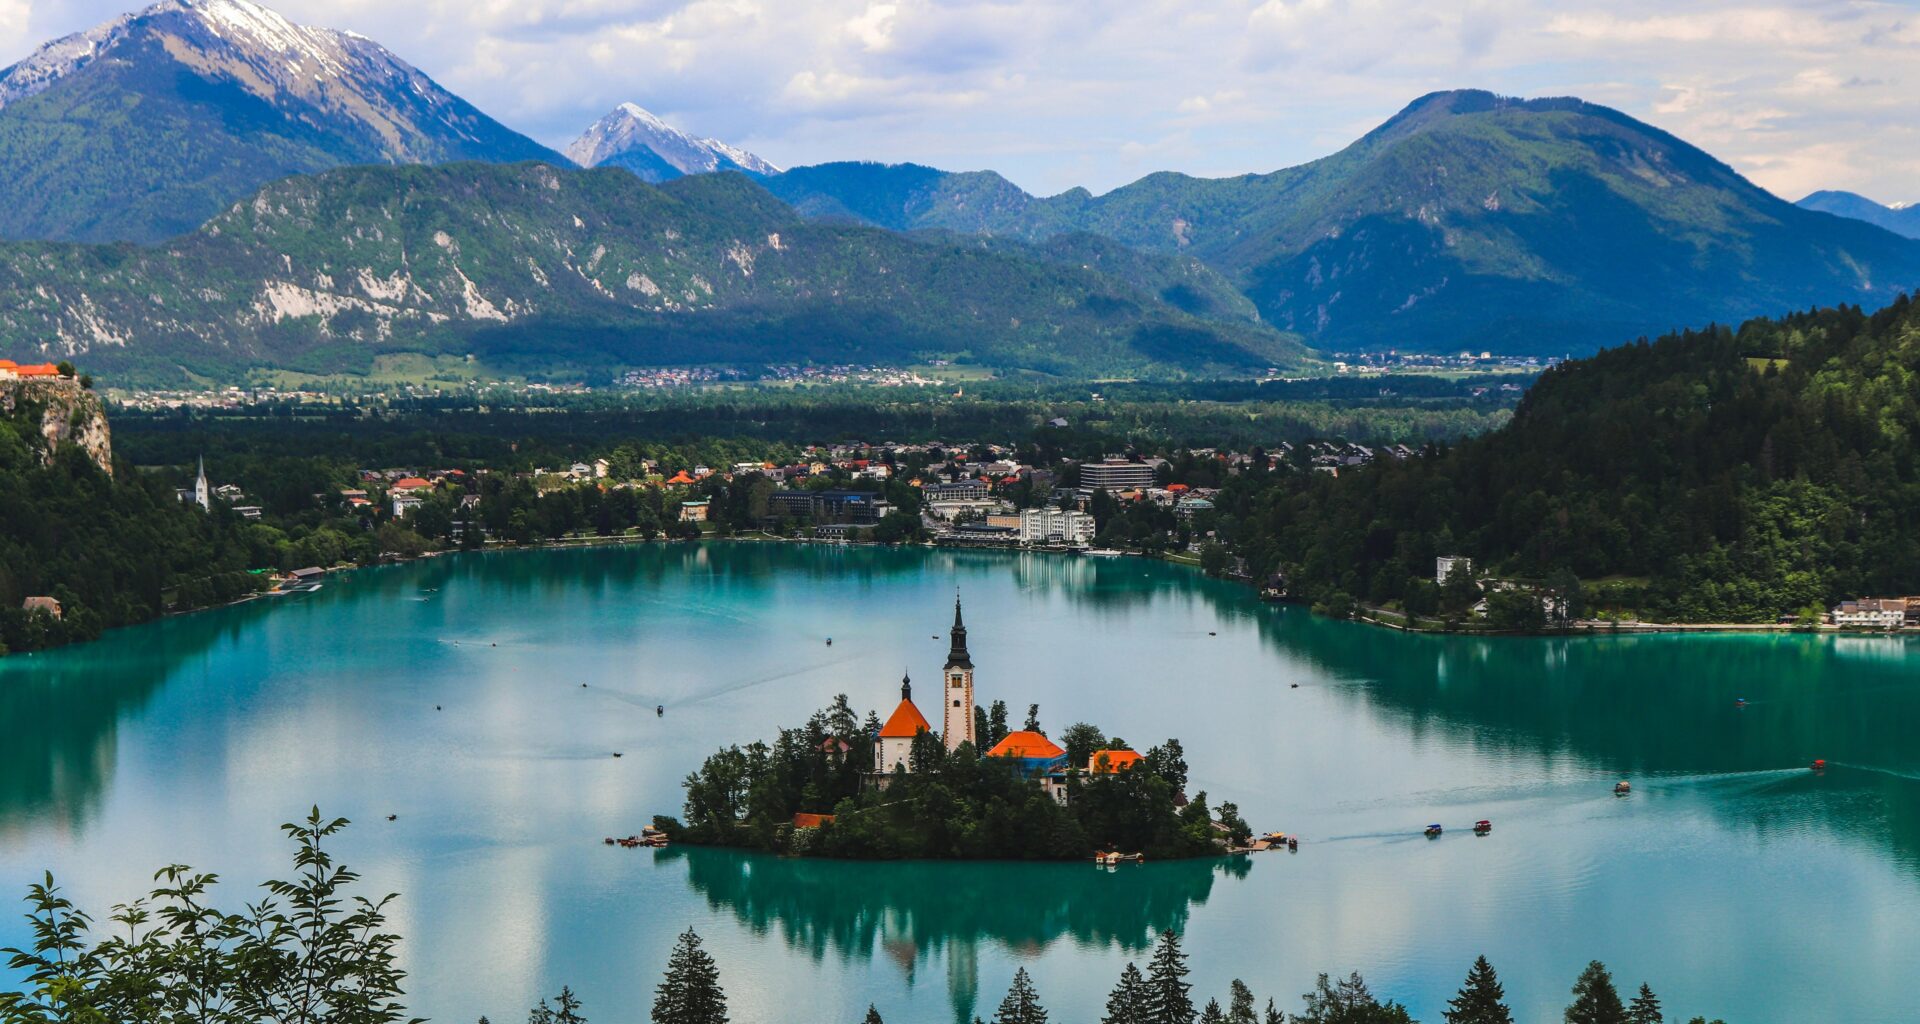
(1735,881)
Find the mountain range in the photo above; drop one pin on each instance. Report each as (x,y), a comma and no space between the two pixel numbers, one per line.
(142,128)
(635,139)
(553,271)
(1466,221)
(1899,218)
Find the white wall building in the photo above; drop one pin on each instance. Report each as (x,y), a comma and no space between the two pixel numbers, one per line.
(1055,526)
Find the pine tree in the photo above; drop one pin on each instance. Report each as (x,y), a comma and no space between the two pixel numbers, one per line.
(873,1016)
(1032,724)
(690,993)
(1240,1004)
(1595,1001)
(1273,1015)
(1645,1008)
(1022,1004)
(1212,1014)
(1129,1002)
(1168,1001)
(1479,999)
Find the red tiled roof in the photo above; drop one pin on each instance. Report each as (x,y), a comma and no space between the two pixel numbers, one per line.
(805,820)
(906,723)
(1116,761)
(411,483)
(1025,744)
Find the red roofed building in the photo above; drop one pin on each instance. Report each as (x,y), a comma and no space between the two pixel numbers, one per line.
(804,820)
(681,479)
(1036,757)
(410,484)
(894,748)
(9,369)
(1105,762)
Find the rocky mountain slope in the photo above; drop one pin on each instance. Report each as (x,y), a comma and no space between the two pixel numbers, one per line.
(1899,218)
(1467,221)
(631,137)
(55,413)
(143,127)
(587,271)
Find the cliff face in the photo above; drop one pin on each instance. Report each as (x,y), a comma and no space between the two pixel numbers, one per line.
(66,413)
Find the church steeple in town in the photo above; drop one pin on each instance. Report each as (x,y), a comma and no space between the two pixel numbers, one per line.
(957,706)
(957,656)
(906,686)
(202,493)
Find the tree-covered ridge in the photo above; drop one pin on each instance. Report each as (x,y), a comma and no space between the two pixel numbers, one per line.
(534,266)
(1468,220)
(951,805)
(1724,475)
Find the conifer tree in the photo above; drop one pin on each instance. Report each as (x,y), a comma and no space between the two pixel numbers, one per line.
(1240,1004)
(690,993)
(1645,1008)
(1212,1014)
(1273,1015)
(873,1016)
(1479,1001)
(1595,1000)
(1129,1002)
(1022,1004)
(1168,1001)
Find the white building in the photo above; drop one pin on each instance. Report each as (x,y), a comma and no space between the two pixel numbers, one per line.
(1118,474)
(1444,565)
(1055,526)
(1872,612)
(894,747)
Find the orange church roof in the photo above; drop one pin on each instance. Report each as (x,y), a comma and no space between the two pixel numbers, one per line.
(1116,761)
(906,723)
(1025,744)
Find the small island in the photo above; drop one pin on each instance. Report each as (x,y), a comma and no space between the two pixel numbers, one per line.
(839,786)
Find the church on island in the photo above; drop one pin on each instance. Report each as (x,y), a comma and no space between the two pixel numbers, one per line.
(1028,752)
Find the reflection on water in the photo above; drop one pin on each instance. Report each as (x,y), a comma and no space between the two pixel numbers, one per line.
(908,912)
(450,691)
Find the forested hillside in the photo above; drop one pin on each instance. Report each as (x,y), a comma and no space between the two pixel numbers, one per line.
(1728,475)
(582,272)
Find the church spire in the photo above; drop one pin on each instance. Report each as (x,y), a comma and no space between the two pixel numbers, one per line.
(957,656)
(906,687)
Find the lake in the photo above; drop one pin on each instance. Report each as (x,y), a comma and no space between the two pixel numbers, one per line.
(448,692)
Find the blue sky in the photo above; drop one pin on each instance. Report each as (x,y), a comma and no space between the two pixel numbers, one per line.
(1057,93)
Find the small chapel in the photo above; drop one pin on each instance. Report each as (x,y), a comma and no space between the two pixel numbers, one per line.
(1030,753)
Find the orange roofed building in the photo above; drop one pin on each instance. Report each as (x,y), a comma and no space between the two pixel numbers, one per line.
(1112,762)
(10,370)
(1036,757)
(894,748)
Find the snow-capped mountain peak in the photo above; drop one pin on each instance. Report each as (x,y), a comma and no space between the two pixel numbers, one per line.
(1908,205)
(633,137)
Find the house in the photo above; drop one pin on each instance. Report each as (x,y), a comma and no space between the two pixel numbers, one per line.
(41,604)
(1873,612)
(1444,566)
(10,370)
(410,484)
(248,511)
(1112,762)
(601,468)
(1032,755)
(693,511)
(579,471)
(681,479)
(406,502)
(893,748)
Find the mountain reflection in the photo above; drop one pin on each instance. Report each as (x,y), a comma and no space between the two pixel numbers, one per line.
(912,910)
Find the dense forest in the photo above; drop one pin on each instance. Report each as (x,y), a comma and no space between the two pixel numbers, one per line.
(952,805)
(112,550)
(1718,475)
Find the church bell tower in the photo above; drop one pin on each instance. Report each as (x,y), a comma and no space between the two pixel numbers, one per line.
(957,721)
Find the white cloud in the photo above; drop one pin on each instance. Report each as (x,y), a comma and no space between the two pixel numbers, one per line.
(1055,93)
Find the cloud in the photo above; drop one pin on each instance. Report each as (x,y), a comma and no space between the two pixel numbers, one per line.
(1057,93)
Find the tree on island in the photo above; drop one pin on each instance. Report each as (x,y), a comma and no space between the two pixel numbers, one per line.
(1479,1001)
(872,1017)
(1595,1000)
(690,993)
(1130,1001)
(1022,1004)
(1032,724)
(1168,995)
